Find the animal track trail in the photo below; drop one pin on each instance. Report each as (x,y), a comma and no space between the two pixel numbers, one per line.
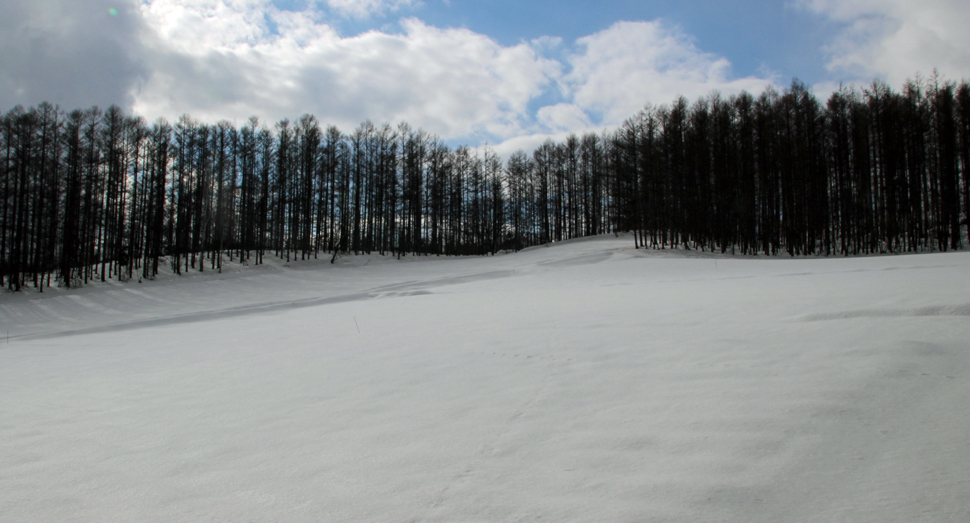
(497,447)
(933,310)
(521,356)
(501,445)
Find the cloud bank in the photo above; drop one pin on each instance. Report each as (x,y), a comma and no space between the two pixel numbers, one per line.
(230,59)
(233,58)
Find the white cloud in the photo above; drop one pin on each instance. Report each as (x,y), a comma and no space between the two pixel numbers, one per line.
(632,63)
(614,73)
(230,59)
(219,59)
(896,39)
(530,142)
(563,117)
(197,27)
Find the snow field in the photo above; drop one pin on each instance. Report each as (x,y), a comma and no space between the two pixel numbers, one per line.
(584,381)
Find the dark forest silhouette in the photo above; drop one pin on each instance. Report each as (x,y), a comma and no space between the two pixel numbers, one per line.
(94,194)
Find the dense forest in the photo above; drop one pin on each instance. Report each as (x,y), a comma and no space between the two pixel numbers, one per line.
(97,194)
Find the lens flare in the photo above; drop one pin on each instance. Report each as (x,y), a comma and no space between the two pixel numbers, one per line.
(113,12)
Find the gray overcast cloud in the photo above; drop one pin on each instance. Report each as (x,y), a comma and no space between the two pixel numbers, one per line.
(69,52)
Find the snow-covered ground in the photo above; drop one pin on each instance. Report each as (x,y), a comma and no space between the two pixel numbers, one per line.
(584,381)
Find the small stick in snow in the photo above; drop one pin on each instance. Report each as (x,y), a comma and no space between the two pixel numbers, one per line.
(355,323)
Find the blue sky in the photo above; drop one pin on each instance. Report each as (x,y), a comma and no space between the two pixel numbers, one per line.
(510,74)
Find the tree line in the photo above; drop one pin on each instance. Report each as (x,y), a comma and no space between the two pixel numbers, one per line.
(869,171)
(97,194)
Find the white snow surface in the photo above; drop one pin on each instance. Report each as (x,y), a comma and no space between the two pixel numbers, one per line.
(582,381)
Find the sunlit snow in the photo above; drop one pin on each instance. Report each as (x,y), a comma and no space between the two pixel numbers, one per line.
(583,381)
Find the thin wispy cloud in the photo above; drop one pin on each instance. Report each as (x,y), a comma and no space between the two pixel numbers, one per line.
(895,39)
(368,8)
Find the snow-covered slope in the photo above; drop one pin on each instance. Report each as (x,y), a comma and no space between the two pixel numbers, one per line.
(584,381)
